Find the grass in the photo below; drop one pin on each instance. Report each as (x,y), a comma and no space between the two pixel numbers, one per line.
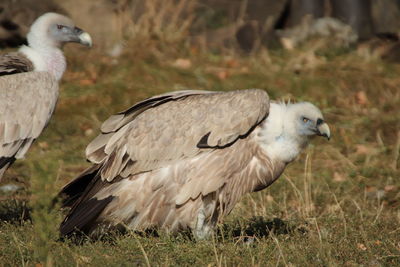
(337,205)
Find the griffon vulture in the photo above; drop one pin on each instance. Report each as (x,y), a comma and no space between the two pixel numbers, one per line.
(29,84)
(182,160)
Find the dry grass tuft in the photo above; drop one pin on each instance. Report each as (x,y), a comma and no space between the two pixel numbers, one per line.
(128,26)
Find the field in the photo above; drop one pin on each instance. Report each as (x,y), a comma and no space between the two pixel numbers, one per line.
(336,205)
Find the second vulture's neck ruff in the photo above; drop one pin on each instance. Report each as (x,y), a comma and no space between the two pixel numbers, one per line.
(46,58)
(278,136)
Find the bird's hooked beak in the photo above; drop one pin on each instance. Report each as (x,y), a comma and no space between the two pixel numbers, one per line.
(85,39)
(323,130)
(75,35)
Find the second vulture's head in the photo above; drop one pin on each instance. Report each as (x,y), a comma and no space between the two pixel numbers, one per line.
(308,121)
(55,30)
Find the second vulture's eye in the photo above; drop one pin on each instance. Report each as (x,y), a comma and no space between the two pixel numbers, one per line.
(305,120)
(59,26)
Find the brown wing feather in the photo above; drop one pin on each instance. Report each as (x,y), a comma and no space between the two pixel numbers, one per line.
(167,128)
(13,63)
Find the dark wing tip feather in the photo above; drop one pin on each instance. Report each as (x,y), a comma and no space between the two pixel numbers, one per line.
(85,207)
(74,190)
(5,162)
(84,216)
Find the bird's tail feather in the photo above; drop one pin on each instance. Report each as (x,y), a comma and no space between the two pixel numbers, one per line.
(71,192)
(85,207)
(83,218)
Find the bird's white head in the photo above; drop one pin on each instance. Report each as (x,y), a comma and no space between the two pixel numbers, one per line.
(289,127)
(55,30)
(46,37)
(306,120)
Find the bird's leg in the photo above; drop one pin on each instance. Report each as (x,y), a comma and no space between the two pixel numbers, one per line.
(202,230)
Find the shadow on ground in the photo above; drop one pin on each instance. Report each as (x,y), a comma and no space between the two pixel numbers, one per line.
(14,211)
(258,227)
(239,231)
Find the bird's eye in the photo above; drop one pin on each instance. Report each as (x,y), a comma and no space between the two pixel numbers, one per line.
(305,120)
(59,26)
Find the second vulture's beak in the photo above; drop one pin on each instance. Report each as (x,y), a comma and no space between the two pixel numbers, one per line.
(323,130)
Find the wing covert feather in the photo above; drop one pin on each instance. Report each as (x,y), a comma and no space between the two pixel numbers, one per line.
(168,128)
(13,63)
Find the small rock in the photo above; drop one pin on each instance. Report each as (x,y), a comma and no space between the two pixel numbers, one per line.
(9,188)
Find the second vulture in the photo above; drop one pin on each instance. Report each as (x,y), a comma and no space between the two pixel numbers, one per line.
(182,160)
(29,84)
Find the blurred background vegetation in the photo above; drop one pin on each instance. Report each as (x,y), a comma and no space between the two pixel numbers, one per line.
(338,204)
